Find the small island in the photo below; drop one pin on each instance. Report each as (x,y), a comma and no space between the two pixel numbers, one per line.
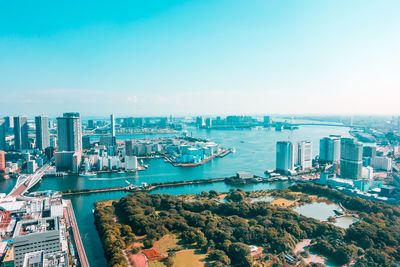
(245,229)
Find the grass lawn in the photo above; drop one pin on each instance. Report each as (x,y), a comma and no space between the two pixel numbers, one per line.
(167,242)
(283,202)
(156,264)
(188,258)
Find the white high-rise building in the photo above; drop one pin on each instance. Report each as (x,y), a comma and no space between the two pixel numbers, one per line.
(69,132)
(112,125)
(284,156)
(131,163)
(304,154)
(382,163)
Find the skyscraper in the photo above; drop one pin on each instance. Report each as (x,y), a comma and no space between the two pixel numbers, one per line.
(284,156)
(2,134)
(42,132)
(112,125)
(21,140)
(267,121)
(9,123)
(329,149)
(304,154)
(69,132)
(351,158)
(128,148)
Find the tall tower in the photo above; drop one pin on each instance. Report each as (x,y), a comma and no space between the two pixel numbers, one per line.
(2,134)
(21,140)
(350,158)
(112,125)
(69,132)
(9,123)
(42,132)
(284,156)
(304,154)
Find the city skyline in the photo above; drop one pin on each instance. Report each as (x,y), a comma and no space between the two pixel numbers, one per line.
(186,57)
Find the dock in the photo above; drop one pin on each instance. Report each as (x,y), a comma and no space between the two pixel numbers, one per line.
(70,215)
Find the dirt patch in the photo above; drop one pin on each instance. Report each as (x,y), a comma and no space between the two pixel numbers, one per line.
(138,260)
(189,258)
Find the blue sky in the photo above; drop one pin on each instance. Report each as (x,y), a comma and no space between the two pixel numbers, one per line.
(199,57)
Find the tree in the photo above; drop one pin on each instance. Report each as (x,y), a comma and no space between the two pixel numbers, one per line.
(238,253)
(219,255)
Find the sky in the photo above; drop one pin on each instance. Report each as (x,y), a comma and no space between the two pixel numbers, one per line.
(150,58)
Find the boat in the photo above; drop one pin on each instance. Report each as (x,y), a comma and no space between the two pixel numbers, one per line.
(121,172)
(87,174)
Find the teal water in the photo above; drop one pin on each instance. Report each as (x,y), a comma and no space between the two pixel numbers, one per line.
(322,211)
(255,152)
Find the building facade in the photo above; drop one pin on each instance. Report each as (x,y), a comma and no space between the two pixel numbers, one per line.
(21,139)
(36,235)
(351,159)
(42,132)
(3,133)
(329,149)
(304,154)
(69,132)
(284,156)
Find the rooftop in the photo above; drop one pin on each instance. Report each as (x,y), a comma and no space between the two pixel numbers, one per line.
(35,226)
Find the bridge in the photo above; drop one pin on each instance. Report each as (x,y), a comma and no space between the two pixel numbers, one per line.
(26,182)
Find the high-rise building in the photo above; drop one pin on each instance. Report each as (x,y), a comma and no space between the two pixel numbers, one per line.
(329,149)
(200,121)
(267,121)
(2,161)
(128,148)
(369,151)
(209,123)
(3,133)
(284,156)
(69,132)
(139,122)
(86,141)
(131,163)
(112,125)
(21,139)
(91,124)
(9,120)
(42,132)
(351,158)
(304,154)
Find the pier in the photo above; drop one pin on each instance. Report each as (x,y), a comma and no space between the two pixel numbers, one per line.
(70,215)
